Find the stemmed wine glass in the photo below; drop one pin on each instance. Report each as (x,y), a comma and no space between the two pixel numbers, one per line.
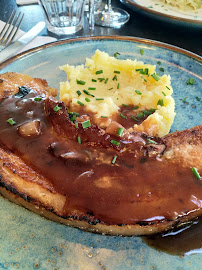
(111,17)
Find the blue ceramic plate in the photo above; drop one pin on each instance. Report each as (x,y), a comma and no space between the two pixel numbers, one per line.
(28,241)
(157,9)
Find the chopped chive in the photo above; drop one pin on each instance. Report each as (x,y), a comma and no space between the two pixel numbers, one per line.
(118,86)
(159,62)
(151,141)
(152,110)
(110,88)
(134,118)
(125,105)
(196,173)
(116,54)
(114,159)
(117,72)
(114,78)
(184,99)
(87,93)
(123,116)
(160,102)
(78,92)
(80,82)
(73,117)
(167,87)
(141,51)
(99,99)
(198,99)
(163,93)
(56,108)
(140,115)
(87,99)
(99,71)
(135,108)
(101,79)
(93,80)
(144,79)
(115,142)
(161,69)
(138,92)
(86,124)
(145,71)
(120,131)
(103,116)
(80,103)
(76,124)
(79,139)
(190,81)
(147,112)
(106,81)
(139,69)
(91,88)
(38,99)
(11,121)
(155,76)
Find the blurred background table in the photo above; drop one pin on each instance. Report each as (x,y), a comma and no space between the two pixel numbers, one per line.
(139,25)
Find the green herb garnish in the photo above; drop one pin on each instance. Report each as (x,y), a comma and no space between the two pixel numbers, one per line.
(138,92)
(116,54)
(163,93)
(99,98)
(93,80)
(155,76)
(38,99)
(106,80)
(123,116)
(190,81)
(87,93)
(115,142)
(76,124)
(79,139)
(141,51)
(80,103)
(91,88)
(151,141)
(56,108)
(114,159)
(196,173)
(161,69)
(135,108)
(117,72)
(78,92)
(160,102)
(134,118)
(87,99)
(118,86)
(99,72)
(114,78)
(140,115)
(120,131)
(198,99)
(11,121)
(80,82)
(86,124)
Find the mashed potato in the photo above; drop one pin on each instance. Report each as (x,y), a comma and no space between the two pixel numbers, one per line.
(182,4)
(105,84)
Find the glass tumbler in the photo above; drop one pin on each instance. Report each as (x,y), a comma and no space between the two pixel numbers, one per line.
(63,17)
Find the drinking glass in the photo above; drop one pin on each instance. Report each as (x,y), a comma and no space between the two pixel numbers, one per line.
(111,17)
(63,17)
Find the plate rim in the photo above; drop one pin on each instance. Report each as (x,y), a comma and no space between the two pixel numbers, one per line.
(99,38)
(158,13)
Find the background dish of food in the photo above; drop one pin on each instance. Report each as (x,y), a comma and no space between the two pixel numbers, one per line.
(29,241)
(166,12)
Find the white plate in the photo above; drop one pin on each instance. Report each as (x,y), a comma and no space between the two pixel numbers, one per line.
(164,11)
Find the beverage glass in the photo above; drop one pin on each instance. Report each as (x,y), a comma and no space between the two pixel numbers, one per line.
(63,17)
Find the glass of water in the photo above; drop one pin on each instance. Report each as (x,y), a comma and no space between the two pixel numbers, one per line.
(63,17)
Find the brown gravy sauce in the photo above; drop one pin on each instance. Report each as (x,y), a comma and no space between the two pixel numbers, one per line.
(184,241)
(134,189)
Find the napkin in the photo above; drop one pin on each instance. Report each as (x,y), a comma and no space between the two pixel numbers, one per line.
(39,40)
(26,2)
